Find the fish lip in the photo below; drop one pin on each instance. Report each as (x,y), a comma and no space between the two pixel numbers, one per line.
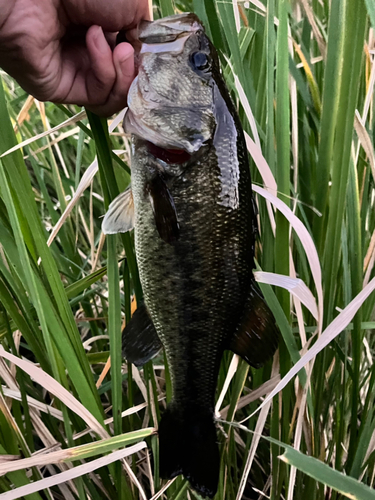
(176,46)
(168,34)
(169,28)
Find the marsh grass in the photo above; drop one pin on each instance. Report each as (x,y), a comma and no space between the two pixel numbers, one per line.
(76,421)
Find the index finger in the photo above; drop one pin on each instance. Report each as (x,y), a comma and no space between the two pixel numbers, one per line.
(113,15)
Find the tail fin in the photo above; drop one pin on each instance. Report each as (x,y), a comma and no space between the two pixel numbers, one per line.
(188,446)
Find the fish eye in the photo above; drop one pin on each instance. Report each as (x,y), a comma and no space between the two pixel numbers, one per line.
(200,61)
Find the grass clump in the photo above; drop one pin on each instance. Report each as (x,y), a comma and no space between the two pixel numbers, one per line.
(302,74)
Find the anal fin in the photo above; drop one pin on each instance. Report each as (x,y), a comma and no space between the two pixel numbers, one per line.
(257,335)
(140,342)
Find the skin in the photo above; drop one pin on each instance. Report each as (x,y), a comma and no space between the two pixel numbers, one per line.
(60,50)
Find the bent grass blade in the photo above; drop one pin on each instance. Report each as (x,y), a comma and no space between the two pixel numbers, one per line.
(76,453)
(57,390)
(335,328)
(73,473)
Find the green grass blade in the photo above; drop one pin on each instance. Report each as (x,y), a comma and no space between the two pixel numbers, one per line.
(354,25)
(347,486)
(371,11)
(114,330)
(283,148)
(330,105)
(167,8)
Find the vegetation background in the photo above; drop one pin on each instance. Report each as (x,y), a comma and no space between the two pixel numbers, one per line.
(76,421)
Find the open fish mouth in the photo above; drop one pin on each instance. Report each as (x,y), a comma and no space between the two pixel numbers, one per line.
(152,35)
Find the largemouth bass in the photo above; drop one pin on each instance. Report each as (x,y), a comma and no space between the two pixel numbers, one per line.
(192,208)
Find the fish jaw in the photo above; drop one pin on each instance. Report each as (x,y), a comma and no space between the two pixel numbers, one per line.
(163,137)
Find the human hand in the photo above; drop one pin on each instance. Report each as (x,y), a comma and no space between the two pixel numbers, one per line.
(59,50)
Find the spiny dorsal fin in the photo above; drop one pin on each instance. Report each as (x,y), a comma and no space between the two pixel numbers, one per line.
(140,342)
(164,210)
(120,215)
(257,335)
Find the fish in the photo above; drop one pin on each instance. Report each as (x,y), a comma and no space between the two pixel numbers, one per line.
(195,226)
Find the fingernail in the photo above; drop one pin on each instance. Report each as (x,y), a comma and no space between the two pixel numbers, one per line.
(100,41)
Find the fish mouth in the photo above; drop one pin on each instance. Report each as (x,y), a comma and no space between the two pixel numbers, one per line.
(158,36)
(168,34)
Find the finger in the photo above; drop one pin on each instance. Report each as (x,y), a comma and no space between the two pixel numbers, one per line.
(123,59)
(101,76)
(111,39)
(87,72)
(112,15)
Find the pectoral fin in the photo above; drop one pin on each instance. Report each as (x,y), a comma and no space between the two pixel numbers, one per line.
(164,210)
(257,335)
(140,342)
(120,215)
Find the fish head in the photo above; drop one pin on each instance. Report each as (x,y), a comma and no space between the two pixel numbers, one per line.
(171,100)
